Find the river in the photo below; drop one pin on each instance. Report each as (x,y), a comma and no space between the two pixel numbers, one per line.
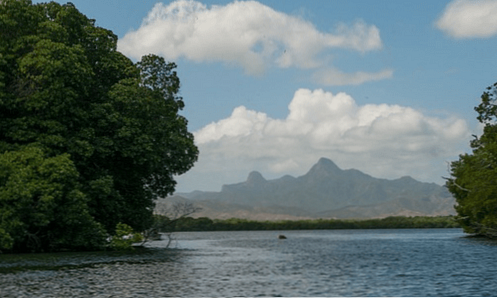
(418,262)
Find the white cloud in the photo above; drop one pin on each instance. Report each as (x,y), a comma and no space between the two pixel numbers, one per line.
(245,33)
(383,140)
(335,77)
(469,19)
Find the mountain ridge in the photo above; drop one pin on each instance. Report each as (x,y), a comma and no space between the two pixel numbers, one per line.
(326,191)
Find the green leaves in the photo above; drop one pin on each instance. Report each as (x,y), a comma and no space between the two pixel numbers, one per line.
(473,179)
(40,201)
(88,139)
(487,110)
(158,76)
(124,238)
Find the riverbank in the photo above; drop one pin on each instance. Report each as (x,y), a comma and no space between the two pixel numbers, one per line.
(236,224)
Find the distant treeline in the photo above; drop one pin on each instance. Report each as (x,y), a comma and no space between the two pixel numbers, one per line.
(236,224)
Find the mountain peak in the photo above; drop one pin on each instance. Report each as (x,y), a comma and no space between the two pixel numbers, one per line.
(326,162)
(255,178)
(324,166)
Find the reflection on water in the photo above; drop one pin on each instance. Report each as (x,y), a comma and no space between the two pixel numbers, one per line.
(308,263)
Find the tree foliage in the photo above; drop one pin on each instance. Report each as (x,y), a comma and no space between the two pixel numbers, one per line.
(66,90)
(124,237)
(473,180)
(41,204)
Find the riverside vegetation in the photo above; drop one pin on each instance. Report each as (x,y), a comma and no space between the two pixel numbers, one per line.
(88,139)
(473,180)
(185,224)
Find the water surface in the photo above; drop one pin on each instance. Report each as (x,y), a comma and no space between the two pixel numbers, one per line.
(422,262)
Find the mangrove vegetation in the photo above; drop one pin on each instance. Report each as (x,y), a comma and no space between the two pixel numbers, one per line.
(185,224)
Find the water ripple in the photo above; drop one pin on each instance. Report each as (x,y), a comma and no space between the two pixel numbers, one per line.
(308,263)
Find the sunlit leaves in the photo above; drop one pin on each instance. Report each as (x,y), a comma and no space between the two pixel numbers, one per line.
(473,179)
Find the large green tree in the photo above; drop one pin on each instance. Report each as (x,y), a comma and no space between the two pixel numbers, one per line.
(42,206)
(65,89)
(473,179)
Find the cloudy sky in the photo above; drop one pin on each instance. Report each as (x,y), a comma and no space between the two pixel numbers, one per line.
(387,87)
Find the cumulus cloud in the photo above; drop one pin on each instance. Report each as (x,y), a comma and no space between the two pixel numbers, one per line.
(382,140)
(335,77)
(469,19)
(244,33)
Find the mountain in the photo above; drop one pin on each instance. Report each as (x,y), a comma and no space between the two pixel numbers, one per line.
(325,191)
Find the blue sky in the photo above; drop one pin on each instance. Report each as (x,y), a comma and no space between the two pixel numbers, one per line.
(387,87)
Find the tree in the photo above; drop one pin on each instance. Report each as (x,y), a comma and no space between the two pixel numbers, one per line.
(473,180)
(41,204)
(66,88)
(167,217)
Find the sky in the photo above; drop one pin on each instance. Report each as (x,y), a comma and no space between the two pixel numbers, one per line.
(386,87)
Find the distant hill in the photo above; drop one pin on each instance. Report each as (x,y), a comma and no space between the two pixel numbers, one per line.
(326,191)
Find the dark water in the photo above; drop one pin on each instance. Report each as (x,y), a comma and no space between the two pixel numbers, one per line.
(309,263)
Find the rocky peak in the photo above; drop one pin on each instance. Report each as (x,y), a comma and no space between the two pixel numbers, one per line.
(255,178)
(324,167)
